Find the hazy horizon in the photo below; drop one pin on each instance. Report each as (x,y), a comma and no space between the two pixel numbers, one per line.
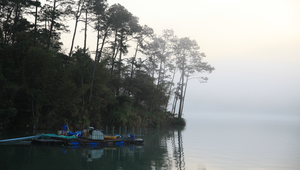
(254,46)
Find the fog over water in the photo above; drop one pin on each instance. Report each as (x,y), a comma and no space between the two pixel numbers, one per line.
(246,92)
(208,142)
(242,142)
(247,115)
(253,45)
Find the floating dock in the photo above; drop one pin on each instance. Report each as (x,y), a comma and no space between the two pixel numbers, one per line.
(86,142)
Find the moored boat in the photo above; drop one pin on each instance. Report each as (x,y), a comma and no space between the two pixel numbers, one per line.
(106,137)
(93,138)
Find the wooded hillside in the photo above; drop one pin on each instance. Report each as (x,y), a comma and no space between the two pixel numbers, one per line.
(42,88)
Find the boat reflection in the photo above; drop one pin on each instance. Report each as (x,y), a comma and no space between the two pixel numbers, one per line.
(91,154)
(96,153)
(162,149)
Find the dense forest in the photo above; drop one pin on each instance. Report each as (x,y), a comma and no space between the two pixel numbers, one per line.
(42,87)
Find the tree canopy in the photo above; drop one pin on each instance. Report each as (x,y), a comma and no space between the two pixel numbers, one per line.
(41,87)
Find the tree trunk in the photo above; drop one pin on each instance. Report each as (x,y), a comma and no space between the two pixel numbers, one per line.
(175,99)
(181,95)
(35,21)
(133,59)
(95,63)
(51,26)
(119,64)
(78,13)
(16,20)
(174,105)
(159,73)
(183,98)
(170,89)
(85,30)
(114,55)
(113,61)
(153,66)
(102,45)
(119,73)
(74,34)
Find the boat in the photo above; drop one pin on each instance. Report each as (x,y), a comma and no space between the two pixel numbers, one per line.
(109,137)
(95,138)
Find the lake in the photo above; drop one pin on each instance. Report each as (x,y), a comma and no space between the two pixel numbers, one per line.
(208,142)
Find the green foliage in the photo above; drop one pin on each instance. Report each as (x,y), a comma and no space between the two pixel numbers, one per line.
(178,121)
(41,87)
(7,109)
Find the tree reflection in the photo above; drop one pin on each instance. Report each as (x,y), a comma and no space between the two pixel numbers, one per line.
(178,152)
(163,149)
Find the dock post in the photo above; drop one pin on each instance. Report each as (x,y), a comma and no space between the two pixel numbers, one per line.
(113,130)
(141,132)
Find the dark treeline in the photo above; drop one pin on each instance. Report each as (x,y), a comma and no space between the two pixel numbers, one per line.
(42,87)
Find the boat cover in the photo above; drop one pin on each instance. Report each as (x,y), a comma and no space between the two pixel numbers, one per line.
(48,136)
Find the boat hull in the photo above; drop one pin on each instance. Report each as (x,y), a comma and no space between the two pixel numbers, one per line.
(110,137)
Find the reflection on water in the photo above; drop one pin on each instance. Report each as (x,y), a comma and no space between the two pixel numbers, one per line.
(97,153)
(154,154)
(56,157)
(177,148)
(205,144)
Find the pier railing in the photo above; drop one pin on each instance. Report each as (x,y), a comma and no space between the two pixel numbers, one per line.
(124,132)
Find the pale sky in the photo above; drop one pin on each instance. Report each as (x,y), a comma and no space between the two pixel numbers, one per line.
(254,46)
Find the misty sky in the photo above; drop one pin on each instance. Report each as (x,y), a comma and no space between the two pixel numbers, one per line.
(253,44)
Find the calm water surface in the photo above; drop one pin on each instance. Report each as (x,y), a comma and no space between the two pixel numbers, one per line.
(206,143)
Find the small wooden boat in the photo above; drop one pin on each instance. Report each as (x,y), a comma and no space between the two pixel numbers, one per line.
(109,137)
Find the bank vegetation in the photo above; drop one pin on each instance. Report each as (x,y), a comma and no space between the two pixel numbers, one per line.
(42,87)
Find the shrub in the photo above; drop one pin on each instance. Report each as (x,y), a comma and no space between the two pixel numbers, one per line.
(178,121)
